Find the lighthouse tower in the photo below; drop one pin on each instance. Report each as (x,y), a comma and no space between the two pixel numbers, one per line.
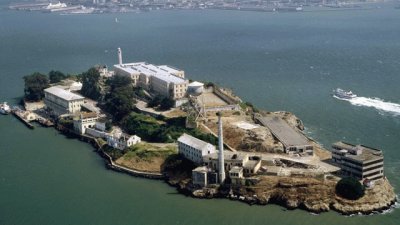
(221,160)
(119,56)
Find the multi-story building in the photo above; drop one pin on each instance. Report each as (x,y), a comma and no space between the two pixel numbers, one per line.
(194,149)
(84,121)
(164,80)
(358,161)
(60,101)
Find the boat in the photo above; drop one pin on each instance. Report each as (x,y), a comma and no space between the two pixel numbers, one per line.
(4,108)
(340,93)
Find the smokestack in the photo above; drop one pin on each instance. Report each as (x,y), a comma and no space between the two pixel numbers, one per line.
(119,56)
(221,160)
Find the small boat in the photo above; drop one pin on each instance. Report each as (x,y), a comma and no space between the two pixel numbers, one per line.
(4,108)
(340,93)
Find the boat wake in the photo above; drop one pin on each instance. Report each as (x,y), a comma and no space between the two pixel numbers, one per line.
(379,104)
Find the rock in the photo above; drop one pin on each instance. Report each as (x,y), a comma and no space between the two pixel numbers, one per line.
(292,203)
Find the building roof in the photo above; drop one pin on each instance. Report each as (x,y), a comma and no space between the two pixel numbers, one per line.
(160,72)
(228,155)
(366,153)
(169,69)
(192,141)
(202,169)
(85,115)
(91,107)
(195,84)
(285,133)
(236,169)
(63,94)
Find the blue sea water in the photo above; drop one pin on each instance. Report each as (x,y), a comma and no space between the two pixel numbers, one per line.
(278,61)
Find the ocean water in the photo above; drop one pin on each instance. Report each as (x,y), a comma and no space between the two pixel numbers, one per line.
(278,61)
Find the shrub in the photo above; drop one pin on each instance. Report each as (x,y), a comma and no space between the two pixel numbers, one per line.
(350,188)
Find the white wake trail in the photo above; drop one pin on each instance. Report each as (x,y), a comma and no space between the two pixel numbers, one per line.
(379,104)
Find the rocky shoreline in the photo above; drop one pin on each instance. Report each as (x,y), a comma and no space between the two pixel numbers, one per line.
(307,194)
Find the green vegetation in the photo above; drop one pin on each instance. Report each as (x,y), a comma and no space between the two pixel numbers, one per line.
(113,152)
(166,130)
(101,141)
(209,84)
(119,101)
(161,103)
(139,92)
(350,188)
(246,105)
(146,151)
(91,84)
(34,86)
(176,163)
(66,122)
(56,76)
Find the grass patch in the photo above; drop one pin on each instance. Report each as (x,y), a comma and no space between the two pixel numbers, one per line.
(145,151)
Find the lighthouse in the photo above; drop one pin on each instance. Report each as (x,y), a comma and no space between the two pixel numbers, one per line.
(119,56)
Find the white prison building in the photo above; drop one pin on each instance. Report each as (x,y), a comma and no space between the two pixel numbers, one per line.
(194,149)
(61,101)
(164,80)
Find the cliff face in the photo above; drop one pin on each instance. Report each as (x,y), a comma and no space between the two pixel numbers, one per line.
(312,194)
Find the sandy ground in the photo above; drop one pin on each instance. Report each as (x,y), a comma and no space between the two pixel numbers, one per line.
(209,99)
(154,165)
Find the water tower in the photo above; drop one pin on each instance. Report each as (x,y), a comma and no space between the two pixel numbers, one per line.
(195,88)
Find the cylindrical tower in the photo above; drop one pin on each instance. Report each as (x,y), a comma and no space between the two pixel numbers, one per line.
(221,160)
(119,56)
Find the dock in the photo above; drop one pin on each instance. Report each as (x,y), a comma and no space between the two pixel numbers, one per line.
(21,116)
(27,117)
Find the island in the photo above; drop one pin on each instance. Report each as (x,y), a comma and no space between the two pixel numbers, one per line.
(151,121)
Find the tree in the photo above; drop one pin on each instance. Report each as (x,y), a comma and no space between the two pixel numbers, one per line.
(56,76)
(166,104)
(119,101)
(350,188)
(156,101)
(34,86)
(91,84)
(144,126)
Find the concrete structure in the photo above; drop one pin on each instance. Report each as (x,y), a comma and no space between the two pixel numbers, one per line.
(194,149)
(199,176)
(61,101)
(250,164)
(122,141)
(202,176)
(221,162)
(292,140)
(85,120)
(163,80)
(101,124)
(96,133)
(212,99)
(236,175)
(358,161)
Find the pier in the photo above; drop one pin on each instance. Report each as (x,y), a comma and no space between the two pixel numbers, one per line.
(27,117)
(21,116)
